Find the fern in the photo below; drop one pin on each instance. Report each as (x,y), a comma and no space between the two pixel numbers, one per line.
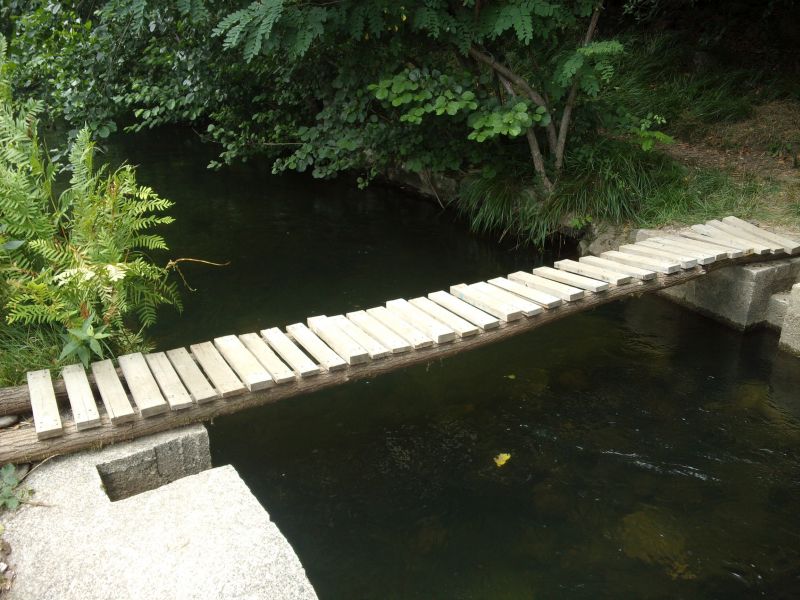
(82,252)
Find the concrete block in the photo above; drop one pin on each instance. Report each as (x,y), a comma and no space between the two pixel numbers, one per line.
(738,295)
(201,536)
(790,333)
(776,310)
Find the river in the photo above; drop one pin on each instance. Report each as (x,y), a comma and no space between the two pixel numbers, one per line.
(653,453)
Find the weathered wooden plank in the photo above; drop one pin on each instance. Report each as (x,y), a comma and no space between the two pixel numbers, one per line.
(737,242)
(81,399)
(288,351)
(701,257)
(540,298)
(373,347)
(20,445)
(46,419)
(374,328)
(436,330)
(643,262)
(245,365)
(351,351)
(734,250)
(168,380)
(567,293)
(464,310)
(789,246)
(578,281)
(142,386)
(716,251)
(615,267)
(401,327)
(200,390)
(594,272)
(739,232)
(502,310)
(462,327)
(528,308)
(683,262)
(217,370)
(269,360)
(328,359)
(118,407)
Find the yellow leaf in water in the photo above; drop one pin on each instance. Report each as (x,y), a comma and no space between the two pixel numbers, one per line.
(501,459)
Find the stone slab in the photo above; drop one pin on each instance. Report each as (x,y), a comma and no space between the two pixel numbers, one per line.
(201,536)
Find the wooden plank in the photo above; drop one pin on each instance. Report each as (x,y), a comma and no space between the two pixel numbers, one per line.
(351,351)
(286,349)
(142,386)
(46,419)
(736,242)
(540,298)
(739,232)
(217,370)
(789,246)
(171,386)
(578,281)
(405,330)
(528,308)
(118,407)
(436,330)
(598,273)
(716,251)
(199,389)
(374,328)
(328,359)
(702,257)
(642,262)
(20,444)
(462,327)
(81,399)
(279,372)
(464,310)
(615,267)
(683,262)
(373,347)
(567,293)
(245,365)
(502,310)
(734,251)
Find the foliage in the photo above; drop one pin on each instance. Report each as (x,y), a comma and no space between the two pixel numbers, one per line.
(68,258)
(11,494)
(84,341)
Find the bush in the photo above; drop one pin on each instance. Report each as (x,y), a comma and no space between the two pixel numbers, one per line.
(78,257)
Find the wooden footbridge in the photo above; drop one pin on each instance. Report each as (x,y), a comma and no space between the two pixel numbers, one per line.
(154,392)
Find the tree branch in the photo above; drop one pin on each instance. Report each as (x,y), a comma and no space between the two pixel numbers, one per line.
(573,93)
(533,143)
(504,72)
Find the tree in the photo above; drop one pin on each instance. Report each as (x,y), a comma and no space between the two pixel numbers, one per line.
(541,56)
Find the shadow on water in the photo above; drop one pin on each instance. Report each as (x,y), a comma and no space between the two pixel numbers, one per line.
(654,453)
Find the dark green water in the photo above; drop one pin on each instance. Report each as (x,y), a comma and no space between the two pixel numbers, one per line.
(654,453)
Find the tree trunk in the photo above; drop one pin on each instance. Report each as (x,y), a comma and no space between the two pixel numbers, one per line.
(561,143)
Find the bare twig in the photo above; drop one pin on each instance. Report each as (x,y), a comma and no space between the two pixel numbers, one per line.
(173,264)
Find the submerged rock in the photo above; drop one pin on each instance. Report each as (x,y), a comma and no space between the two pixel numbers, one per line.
(653,537)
